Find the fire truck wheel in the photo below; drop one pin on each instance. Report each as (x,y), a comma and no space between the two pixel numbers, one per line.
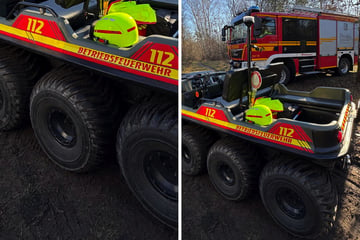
(71,117)
(299,196)
(285,75)
(18,72)
(147,152)
(344,66)
(233,168)
(195,145)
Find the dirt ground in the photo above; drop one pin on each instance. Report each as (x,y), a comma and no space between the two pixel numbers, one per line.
(40,201)
(206,215)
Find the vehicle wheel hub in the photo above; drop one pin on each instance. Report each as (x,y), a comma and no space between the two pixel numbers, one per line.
(290,203)
(186,154)
(344,67)
(62,128)
(161,171)
(282,77)
(226,174)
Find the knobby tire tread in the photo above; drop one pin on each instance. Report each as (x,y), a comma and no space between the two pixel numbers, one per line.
(95,102)
(244,156)
(316,180)
(19,71)
(199,139)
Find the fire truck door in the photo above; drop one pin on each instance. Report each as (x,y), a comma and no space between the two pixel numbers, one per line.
(327,40)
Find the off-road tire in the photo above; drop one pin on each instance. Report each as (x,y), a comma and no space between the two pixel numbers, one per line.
(300,196)
(72,116)
(344,66)
(18,72)
(147,152)
(233,168)
(195,146)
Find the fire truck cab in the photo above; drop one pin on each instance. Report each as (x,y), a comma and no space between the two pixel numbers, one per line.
(306,40)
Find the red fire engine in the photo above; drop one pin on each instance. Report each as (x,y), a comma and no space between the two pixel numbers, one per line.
(306,40)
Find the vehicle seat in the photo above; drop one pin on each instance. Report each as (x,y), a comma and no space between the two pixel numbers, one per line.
(6,6)
(73,14)
(235,84)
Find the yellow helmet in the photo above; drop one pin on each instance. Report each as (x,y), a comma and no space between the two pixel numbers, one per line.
(142,13)
(119,29)
(259,114)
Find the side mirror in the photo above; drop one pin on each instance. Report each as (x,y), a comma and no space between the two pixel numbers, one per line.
(223,34)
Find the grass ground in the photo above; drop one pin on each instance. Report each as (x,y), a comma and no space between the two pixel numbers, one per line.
(194,66)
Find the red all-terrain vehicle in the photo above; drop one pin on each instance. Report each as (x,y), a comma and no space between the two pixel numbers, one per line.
(248,131)
(88,97)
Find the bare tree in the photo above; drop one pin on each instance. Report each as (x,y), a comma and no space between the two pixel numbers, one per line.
(191,50)
(275,5)
(206,17)
(236,6)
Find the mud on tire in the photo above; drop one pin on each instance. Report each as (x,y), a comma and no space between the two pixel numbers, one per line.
(18,72)
(195,145)
(72,116)
(300,197)
(233,168)
(147,153)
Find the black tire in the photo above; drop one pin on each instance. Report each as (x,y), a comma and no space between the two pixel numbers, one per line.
(299,196)
(147,153)
(344,66)
(233,168)
(72,114)
(195,145)
(18,72)
(286,75)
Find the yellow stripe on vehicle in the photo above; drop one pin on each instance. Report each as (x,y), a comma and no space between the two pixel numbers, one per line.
(345,48)
(324,40)
(267,44)
(259,59)
(328,67)
(95,54)
(289,43)
(310,43)
(250,131)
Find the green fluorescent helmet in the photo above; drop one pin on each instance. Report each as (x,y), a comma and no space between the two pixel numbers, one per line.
(142,13)
(119,29)
(274,104)
(259,114)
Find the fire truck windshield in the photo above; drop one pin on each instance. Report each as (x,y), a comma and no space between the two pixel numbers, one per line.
(238,34)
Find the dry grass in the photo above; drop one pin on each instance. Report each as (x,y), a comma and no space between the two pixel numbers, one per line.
(194,66)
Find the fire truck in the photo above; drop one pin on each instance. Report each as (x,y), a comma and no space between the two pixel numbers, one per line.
(306,40)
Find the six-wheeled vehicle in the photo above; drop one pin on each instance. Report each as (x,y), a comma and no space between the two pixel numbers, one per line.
(249,131)
(94,85)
